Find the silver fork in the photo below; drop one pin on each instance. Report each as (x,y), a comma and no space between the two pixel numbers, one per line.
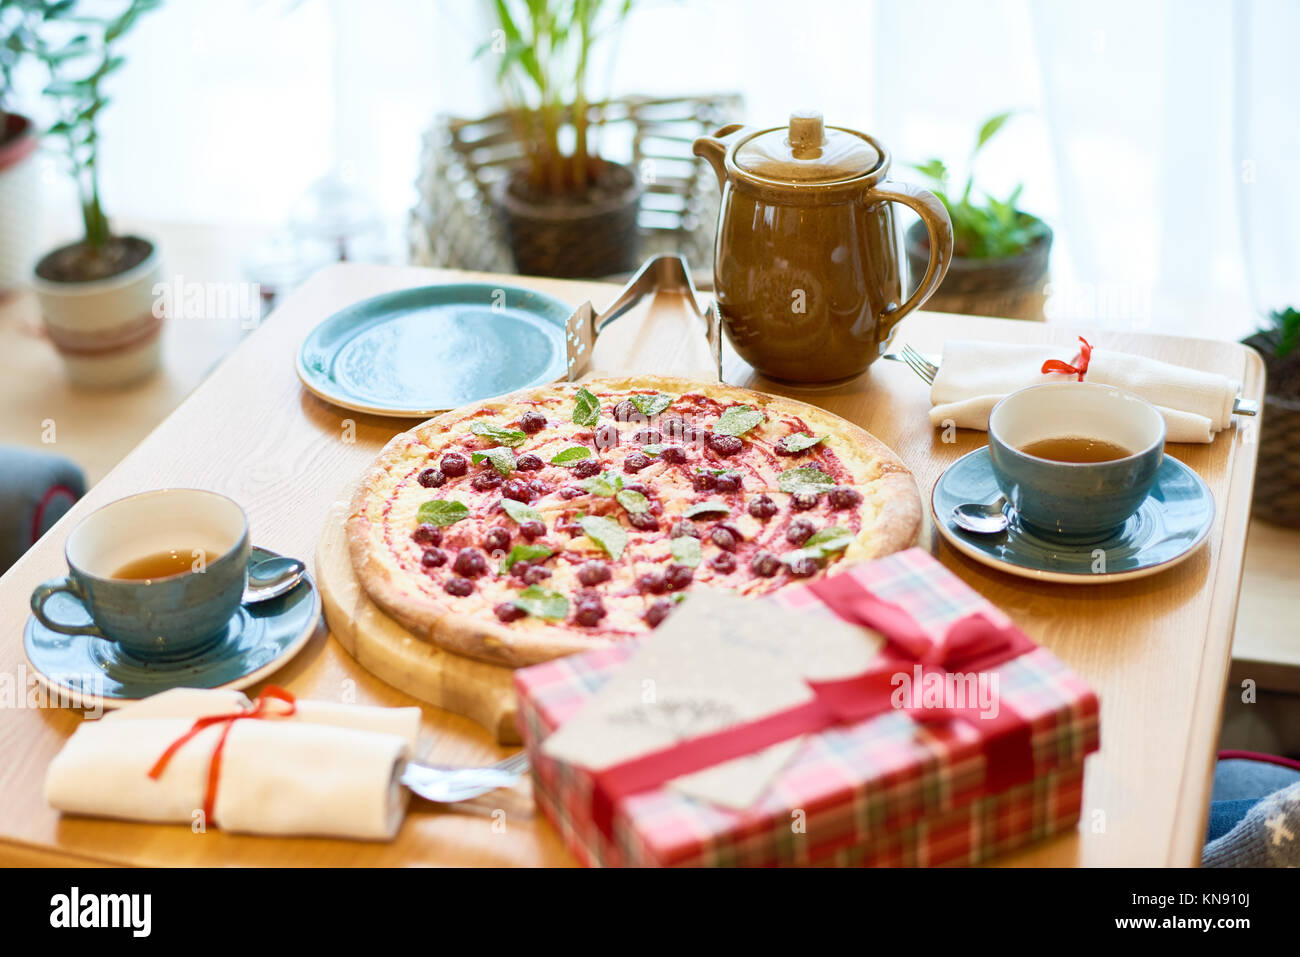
(448,784)
(927,368)
(918,363)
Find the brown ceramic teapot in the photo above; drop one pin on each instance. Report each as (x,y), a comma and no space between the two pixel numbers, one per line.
(806,263)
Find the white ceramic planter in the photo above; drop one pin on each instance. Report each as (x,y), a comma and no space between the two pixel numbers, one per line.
(19,201)
(106,330)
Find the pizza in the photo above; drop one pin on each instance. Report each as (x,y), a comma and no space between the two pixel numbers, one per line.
(567,516)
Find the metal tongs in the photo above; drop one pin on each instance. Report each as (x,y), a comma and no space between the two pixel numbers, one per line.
(661,275)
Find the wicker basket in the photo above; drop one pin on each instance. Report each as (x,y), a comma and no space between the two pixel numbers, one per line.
(1277,475)
(453,225)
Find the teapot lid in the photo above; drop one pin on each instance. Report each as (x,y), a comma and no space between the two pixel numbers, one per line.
(807,152)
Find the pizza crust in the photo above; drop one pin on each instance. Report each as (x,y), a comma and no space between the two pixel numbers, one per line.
(894,525)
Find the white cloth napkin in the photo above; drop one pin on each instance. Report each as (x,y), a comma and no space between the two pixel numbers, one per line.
(330,770)
(975,375)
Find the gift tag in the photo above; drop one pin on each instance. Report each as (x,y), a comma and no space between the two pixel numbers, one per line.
(718,660)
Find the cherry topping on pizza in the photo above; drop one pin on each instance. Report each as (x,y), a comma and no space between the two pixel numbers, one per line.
(558,518)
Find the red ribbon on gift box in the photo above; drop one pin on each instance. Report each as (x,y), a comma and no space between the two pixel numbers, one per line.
(971,645)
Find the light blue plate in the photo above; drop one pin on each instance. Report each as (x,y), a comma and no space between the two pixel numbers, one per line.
(1168,527)
(417,352)
(86,671)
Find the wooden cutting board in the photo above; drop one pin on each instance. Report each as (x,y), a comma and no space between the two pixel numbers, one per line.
(481,692)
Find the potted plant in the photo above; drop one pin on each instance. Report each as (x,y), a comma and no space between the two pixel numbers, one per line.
(565,212)
(1000,252)
(18,141)
(1277,476)
(96,294)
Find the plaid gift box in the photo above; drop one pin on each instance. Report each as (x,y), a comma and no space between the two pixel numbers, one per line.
(886,790)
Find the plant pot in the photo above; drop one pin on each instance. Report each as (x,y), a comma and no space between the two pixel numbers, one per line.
(19,192)
(1012,287)
(1277,474)
(572,237)
(108,329)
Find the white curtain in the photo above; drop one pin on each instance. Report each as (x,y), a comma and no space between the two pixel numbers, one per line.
(1159,138)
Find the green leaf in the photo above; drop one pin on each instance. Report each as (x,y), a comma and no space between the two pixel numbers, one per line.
(990,129)
(605,532)
(934,169)
(707,508)
(586,408)
(502,459)
(77,46)
(509,437)
(651,404)
(441,512)
(606,485)
(62,88)
(800,441)
(1286,322)
(520,512)
(634,502)
(835,538)
(542,603)
(572,454)
(738,420)
(653,448)
(686,550)
(822,545)
(524,553)
(804,480)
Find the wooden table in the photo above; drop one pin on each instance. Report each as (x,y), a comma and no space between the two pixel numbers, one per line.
(1156,649)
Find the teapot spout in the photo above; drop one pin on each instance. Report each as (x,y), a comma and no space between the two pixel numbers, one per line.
(714,148)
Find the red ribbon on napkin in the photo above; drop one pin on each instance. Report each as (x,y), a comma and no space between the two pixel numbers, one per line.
(1080,365)
(972,644)
(259,710)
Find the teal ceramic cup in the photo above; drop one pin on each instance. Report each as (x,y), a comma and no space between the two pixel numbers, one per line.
(158,619)
(1075,501)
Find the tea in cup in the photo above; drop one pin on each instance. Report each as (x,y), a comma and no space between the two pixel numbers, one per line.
(1075,459)
(160,573)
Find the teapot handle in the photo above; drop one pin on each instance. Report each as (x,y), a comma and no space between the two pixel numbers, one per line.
(714,148)
(939,227)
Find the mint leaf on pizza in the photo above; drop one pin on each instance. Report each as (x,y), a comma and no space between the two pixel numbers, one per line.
(520,512)
(605,532)
(830,540)
(573,453)
(502,459)
(686,550)
(800,441)
(634,502)
(508,437)
(606,485)
(542,603)
(651,404)
(821,545)
(738,420)
(524,553)
(586,408)
(441,512)
(807,479)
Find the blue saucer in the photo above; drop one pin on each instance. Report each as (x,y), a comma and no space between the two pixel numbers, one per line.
(88,671)
(417,352)
(1168,527)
